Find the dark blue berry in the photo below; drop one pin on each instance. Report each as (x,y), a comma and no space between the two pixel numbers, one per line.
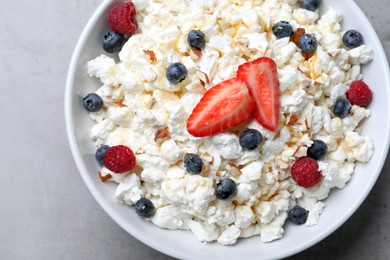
(113,42)
(92,102)
(298,215)
(144,208)
(193,163)
(317,150)
(352,39)
(196,39)
(341,108)
(250,139)
(282,29)
(99,155)
(225,189)
(311,5)
(307,43)
(176,72)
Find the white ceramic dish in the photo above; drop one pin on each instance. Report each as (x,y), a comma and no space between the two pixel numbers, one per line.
(182,244)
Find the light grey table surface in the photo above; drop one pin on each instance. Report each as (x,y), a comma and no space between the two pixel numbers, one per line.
(46,210)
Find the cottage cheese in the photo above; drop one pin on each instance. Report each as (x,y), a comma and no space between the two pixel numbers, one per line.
(139,101)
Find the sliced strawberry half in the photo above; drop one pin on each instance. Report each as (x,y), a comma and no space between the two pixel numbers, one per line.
(261,77)
(225,105)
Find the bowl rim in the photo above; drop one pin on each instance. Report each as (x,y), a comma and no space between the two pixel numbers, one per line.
(70,129)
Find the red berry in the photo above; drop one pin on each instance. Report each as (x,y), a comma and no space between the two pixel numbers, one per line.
(359,94)
(305,172)
(121,18)
(119,159)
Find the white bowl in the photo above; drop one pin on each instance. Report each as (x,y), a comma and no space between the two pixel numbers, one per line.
(182,244)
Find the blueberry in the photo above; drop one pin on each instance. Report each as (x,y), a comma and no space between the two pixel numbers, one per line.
(311,5)
(341,108)
(196,39)
(99,155)
(352,39)
(298,215)
(193,163)
(92,102)
(282,29)
(307,43)
(144,208)
(225,189)
(317,150)
(176,72)
(113,42)
(250,139)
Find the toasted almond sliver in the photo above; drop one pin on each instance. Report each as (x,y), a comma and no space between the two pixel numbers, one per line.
(161,134)
(152,56)
(197,52)
(104,178)
(292,120)
(204,79)
(119,104)
(233,169)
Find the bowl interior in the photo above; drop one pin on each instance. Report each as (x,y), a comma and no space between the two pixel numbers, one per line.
(340,205)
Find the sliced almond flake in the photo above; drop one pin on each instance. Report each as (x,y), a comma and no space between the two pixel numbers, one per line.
(303,69)
(152,56)
(204,79)
(104,178)
(140,151)
(161,133)
(247,58)
(334,53)
(233,169)
(120,104)
(292,119)
(317,84)
(195,53)
(208,158)
(308,122)
(243,41)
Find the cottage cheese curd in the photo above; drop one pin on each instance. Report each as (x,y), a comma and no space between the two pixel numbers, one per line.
(139,101)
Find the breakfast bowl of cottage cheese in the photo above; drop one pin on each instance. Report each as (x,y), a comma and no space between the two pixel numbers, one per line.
(231,128)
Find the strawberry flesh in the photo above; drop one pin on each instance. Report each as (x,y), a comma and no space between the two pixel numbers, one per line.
(224,106)
(261,77)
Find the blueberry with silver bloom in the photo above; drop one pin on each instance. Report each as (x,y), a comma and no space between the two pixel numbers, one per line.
(99,155)
(193,163)
(144,208)
(250,139)
(92,102)
(298,215)
(312,5)
(282,29)
(307,43)
(342,107)
(352,39)
(176,72)
(317,150)
(225,189)
(113,42)
(196,39)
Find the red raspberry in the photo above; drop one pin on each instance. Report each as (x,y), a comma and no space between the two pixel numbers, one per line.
(119,159)
(121,18)
(359,93)
(305,172)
